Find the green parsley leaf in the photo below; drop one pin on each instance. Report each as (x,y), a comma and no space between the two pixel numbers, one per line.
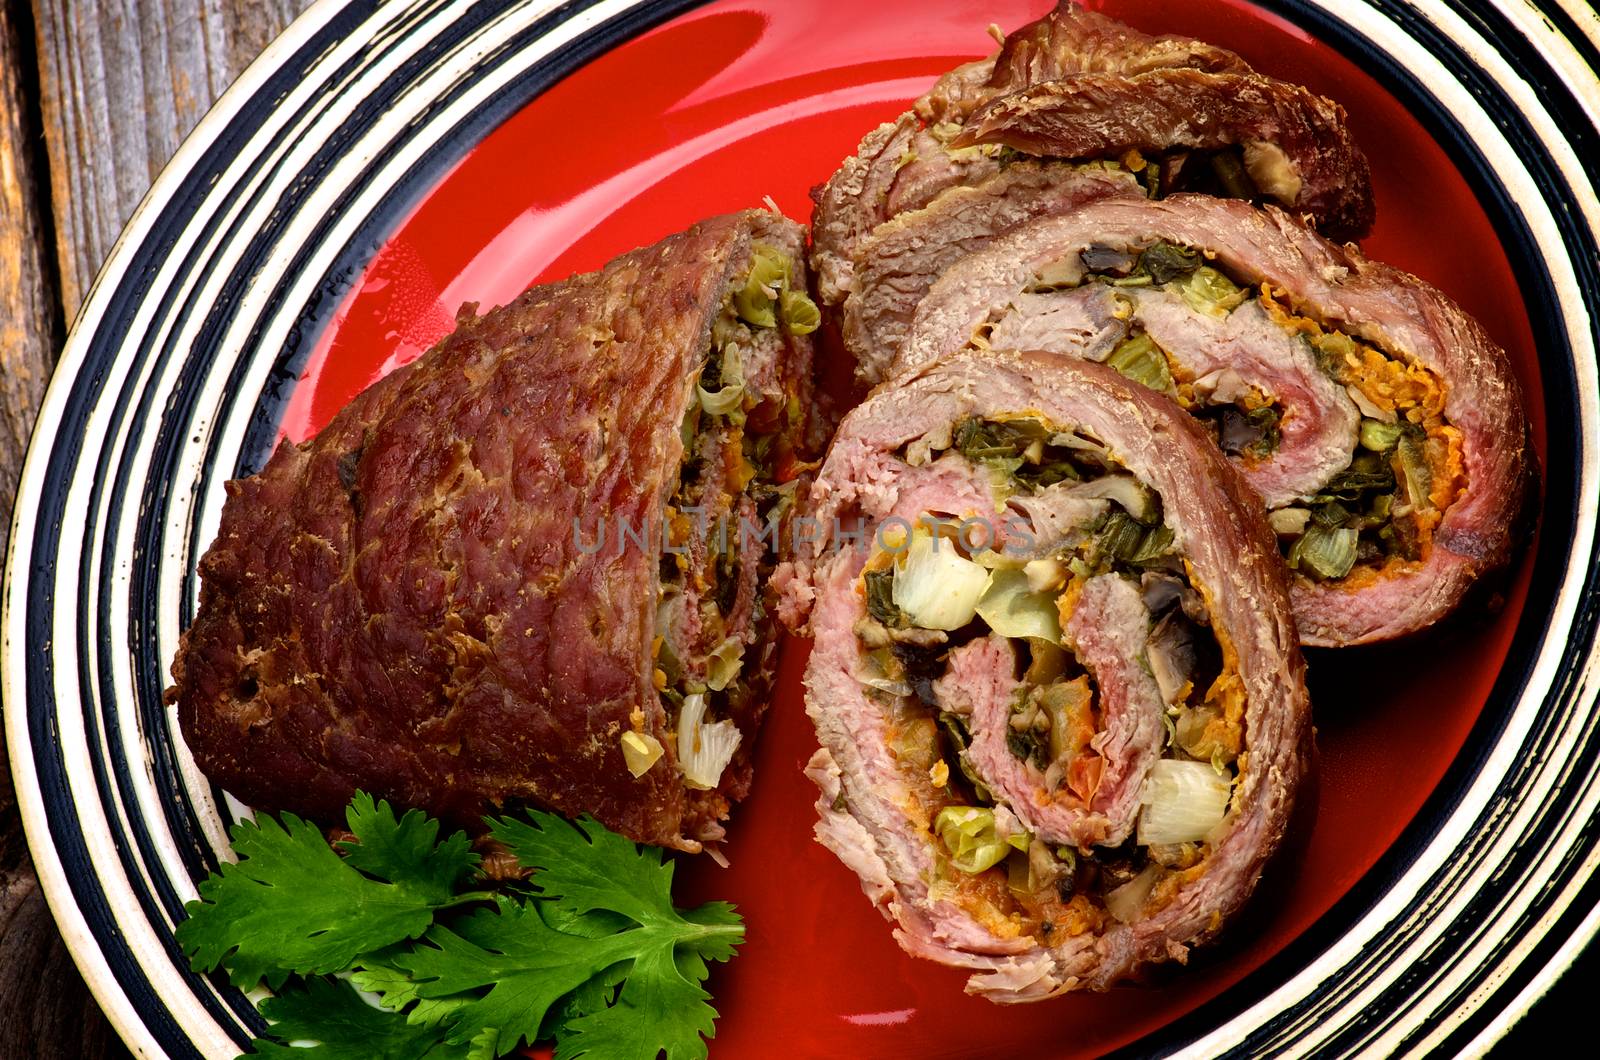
(396,989)
(659,1009)
(717,945)
(584,867)
(293,905)
(330,1012)
(406,850)
(393,986)
(589,952)
(603,916)
(527,966)
(485,1045)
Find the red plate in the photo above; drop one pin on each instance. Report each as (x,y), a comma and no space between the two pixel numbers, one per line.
(741,100)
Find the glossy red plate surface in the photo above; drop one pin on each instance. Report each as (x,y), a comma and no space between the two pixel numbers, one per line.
(740,100)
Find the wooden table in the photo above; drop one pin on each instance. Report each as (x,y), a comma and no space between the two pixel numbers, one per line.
(95,95)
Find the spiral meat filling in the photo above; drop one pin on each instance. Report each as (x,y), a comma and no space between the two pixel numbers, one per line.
(1378,424)
(1058,696)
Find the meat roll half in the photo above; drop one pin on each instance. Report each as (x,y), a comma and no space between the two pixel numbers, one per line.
(1379,423)
(1057,687)
(1075,88)
(512,571)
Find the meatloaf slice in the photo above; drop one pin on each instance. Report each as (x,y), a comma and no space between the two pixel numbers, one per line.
(1055,675)
(512,571)
(1077,87)
(905,255)
(1380,425)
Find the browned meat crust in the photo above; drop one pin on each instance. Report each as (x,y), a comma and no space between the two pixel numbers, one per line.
(402,605)
(1071,40)
(903,165)
(868,817)
(1338,287)
(1099,114)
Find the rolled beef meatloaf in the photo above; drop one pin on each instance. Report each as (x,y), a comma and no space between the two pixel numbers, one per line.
(1382,428)
(528,567)
(1074,91)
(903,257)
(1055,676)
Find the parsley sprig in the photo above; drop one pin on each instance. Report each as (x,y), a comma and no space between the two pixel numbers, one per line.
(589,952)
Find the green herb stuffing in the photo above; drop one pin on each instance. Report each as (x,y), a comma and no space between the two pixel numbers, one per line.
(1165,262)
(767,298)
(996,440)
(1139,358)
(589,952)
(880,599)
(1030,746)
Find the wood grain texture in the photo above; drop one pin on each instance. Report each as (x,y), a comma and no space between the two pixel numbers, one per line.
(45,1009)
(111,88)
(122,84)
(27,295)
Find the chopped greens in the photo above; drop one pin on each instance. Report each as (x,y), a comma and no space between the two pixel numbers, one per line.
(1141,360)
(989,440)
(589,951)
(1164,262)
(1323,552)
(1210,292)
(799,313)
(937,587)
(1030,745)
(767,298)
(756,302)
(1124,538)
(880,598)
(1157,542)
(1414,464)
(1378,436)
(969,834)
(723,401)
(1367,473)
(1183,801)
(1011,609)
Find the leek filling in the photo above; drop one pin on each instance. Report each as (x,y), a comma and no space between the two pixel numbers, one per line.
(928,593)
(1377,512)
(737,477)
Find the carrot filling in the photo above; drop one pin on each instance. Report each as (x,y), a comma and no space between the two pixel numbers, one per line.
(736,482)
(1372,517)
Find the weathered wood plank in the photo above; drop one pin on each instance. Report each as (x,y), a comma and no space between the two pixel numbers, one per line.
(117,85)
(123,83)
(27,296)
(45,1009)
